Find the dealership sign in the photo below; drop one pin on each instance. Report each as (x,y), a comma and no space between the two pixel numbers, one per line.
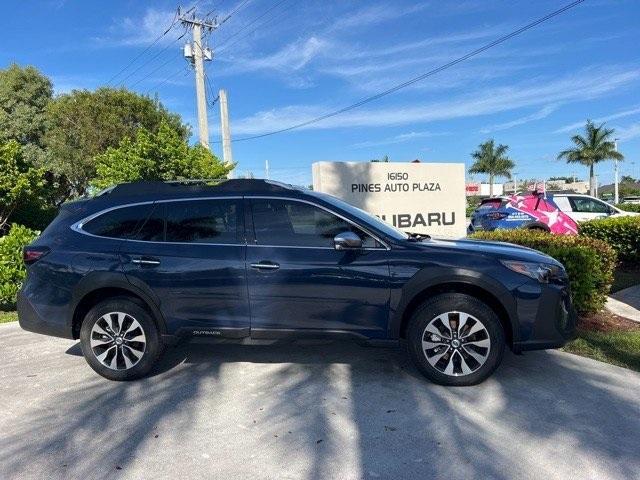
(415,197)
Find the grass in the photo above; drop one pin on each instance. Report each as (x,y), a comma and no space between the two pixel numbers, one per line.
(608,338)
(6,317)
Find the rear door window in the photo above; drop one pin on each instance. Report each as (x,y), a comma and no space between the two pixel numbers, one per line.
(122,222)
(203,221)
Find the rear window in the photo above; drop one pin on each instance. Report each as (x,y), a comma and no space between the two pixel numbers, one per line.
(123,222)
(490,205)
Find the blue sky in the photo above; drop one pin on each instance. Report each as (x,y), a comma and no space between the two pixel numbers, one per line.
(309,57)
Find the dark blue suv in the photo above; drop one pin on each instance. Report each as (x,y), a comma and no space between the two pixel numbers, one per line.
(144,264)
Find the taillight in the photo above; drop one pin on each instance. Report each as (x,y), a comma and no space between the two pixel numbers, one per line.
(496,215)
(33,254)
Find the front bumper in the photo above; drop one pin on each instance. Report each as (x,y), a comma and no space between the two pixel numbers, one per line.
(549,321)
(30,320)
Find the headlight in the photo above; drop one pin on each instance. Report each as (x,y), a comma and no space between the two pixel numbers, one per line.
(543,272)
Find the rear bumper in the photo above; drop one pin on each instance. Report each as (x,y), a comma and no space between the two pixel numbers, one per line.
(30,320)
(554,323)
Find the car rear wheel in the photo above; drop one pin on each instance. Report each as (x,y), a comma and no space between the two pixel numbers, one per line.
(119,339)
(455,339)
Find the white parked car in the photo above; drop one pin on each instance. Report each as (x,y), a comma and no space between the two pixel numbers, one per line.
(585,207)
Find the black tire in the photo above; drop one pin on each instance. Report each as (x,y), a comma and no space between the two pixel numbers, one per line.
(478,311)
(151,347)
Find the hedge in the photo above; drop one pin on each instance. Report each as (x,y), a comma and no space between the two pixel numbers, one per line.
(629,207)
(12,271)
(589,262)
(622,233)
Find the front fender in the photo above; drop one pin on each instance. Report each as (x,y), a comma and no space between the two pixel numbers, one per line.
(447,279)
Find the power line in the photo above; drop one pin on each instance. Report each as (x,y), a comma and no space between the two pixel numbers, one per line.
(420,77)
(150,60)
(169,77)
(226,40)
(235,10)
(173,23)
(216,7)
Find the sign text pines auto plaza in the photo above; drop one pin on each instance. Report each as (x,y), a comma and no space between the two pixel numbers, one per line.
(415,197)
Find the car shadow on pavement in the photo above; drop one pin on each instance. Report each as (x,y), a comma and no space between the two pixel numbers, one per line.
(338,410)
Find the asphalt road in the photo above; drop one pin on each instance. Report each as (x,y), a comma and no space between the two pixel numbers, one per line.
(312,411)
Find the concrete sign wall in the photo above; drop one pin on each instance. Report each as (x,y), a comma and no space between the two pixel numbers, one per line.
(416,197)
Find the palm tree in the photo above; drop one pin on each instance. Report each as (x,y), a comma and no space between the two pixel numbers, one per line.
(596,146)
(493,161)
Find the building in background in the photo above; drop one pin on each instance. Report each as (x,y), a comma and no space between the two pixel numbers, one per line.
(551,186)
(479,189)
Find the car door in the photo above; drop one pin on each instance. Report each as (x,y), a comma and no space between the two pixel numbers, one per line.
(586,208)
(297,280)
(191,255)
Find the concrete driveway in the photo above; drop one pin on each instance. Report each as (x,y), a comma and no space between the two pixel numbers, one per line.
(313,411)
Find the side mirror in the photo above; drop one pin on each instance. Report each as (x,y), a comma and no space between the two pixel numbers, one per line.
(347,241)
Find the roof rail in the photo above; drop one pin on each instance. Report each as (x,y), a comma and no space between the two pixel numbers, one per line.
(197,186)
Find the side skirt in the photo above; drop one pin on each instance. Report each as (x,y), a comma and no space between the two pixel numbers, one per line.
(264,335)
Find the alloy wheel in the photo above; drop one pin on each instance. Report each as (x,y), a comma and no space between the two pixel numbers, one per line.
(456,343)
(118,341)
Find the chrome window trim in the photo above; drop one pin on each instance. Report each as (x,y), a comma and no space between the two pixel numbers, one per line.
(385,246)
(77,227)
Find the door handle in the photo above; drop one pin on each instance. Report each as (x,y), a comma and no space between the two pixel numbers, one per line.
(265,266)
(145,261)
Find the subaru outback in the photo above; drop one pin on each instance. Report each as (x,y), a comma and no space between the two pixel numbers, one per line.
(144,264)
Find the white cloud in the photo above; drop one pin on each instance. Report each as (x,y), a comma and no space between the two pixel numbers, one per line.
(581,86)
(401,138)
(293,57)
(132,31)
(629,132)
(613,116)
(374,14)
(544,112)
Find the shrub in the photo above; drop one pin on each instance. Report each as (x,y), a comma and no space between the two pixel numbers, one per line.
(622,233)
(589,262)
(629,207)
(12,271)
(473,202)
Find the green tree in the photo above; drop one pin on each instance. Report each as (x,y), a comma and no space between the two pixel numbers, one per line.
(492,160)
(19,179)
(24,96)
(84,124)
(594,147)
(163,155)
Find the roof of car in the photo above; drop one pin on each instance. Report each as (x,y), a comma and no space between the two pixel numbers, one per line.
(196,187)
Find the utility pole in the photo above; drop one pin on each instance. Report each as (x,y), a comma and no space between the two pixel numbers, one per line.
(616,198)
(198,54)
(266,169)
(224,127)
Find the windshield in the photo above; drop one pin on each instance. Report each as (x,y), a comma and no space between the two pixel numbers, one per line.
(365,217)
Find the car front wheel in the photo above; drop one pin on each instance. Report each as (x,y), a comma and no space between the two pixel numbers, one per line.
(455,339)
(119,339)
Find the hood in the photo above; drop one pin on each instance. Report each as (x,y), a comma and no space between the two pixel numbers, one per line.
(501,250)
(625,213)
